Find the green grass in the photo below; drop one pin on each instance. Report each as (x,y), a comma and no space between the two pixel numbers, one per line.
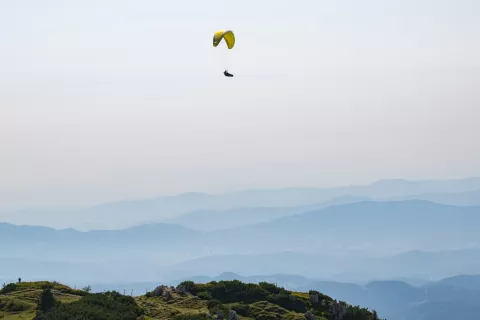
(55,286)
(266,310)
(21,303)
(158,309)
(19,316)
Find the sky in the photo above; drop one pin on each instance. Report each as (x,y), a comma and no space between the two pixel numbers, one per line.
(109,100)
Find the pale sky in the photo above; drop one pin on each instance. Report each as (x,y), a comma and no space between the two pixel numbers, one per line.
(114,99)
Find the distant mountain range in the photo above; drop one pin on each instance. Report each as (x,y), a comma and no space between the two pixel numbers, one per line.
(354,267)
(119,215)
(122,214)
(217,220)
(359,240)
(468,198)
(375,227)
(209,220)
(397,300)
(140,242)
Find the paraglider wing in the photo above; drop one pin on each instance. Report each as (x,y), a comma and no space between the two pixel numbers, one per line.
(226,35)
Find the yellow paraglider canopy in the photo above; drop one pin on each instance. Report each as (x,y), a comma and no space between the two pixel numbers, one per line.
(227,35)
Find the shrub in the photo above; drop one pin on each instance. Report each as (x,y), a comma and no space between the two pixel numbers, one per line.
(14,305)
(8,288)
(213,303)
(254,293)
(214,306)
(189,286)
(271,288)
(240,308)
(46,301)
(236,291)
(106,306)
(204,295)
(288,302)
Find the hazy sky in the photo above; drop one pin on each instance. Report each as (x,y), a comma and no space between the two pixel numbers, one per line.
(115,99)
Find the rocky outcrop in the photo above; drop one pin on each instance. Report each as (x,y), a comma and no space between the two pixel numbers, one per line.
(338,310)
(310,316)
(232,315)
(314,299)
(220,315)
(159,291)
(166,295)
(181,289)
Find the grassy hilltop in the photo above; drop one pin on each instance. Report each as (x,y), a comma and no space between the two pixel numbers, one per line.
(229,300)
(20,300)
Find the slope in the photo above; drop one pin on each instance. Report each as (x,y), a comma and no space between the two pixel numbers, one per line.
(240,300)
(215,300)
(19,300)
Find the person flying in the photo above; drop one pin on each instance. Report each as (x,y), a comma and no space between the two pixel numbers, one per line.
(229,38)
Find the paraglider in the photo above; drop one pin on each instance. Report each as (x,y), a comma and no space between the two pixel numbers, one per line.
(226,35)
(229,37)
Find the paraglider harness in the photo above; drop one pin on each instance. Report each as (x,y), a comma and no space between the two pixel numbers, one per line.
(227,74)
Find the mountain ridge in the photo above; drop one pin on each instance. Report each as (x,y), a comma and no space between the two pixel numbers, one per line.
(122,214)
